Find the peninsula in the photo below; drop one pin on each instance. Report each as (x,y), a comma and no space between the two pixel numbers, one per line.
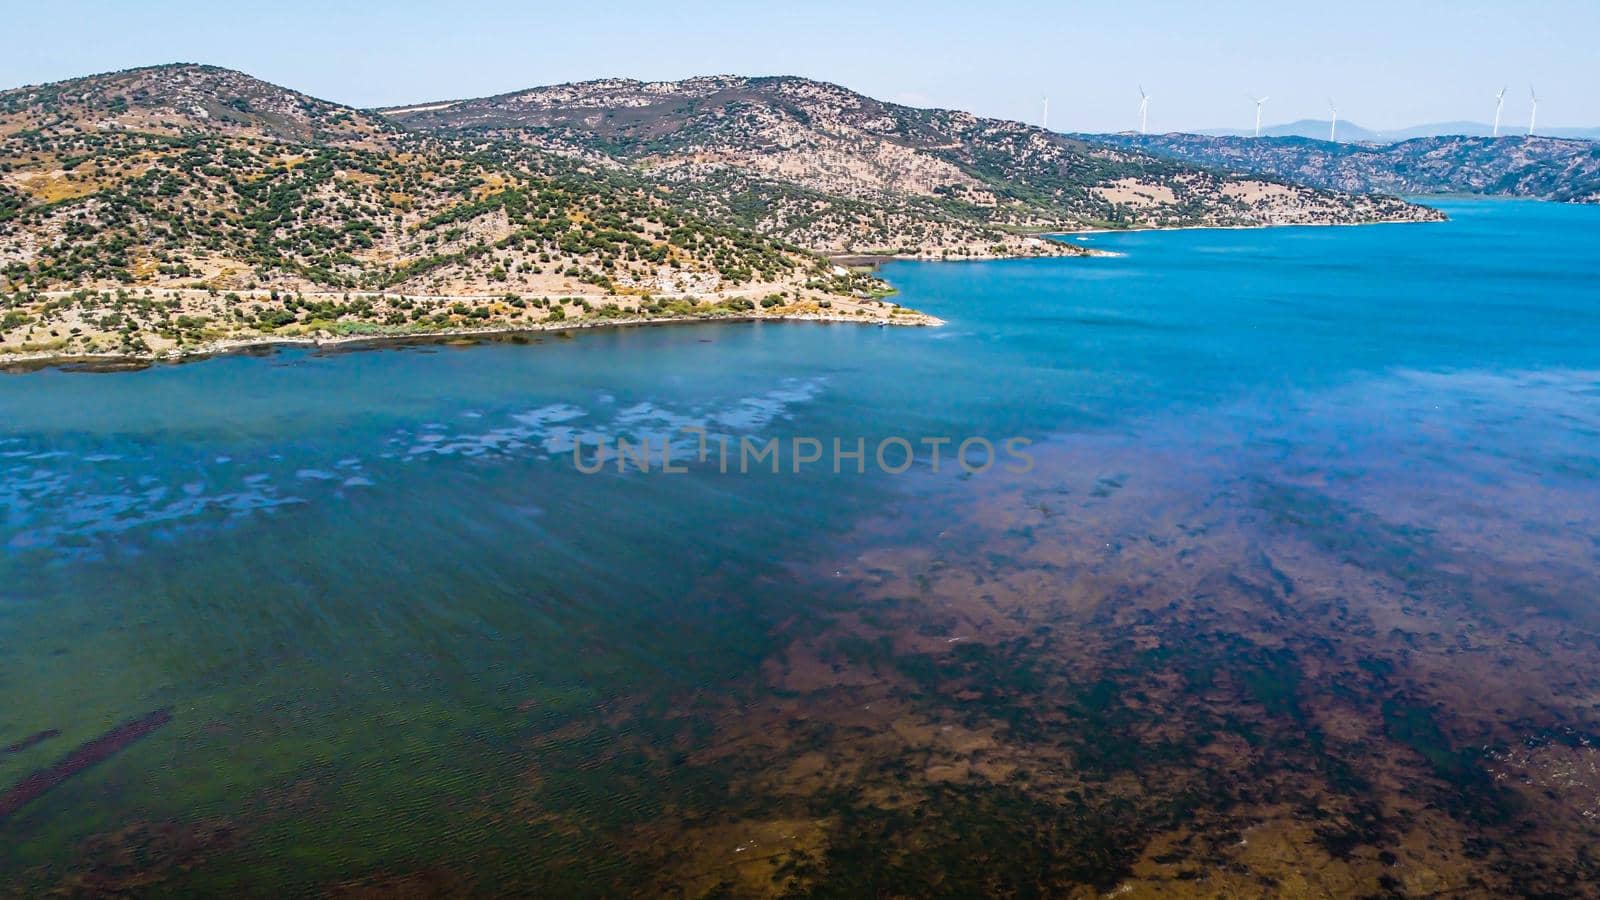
(182,209)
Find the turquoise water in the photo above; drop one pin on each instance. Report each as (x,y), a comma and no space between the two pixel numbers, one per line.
(399,631)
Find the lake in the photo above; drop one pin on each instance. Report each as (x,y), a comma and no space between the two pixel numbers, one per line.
(1253,561)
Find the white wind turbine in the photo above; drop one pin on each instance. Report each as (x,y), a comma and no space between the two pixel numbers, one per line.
(1533,115)
(1333,126)
(1499,104)
(1044,118)
(1259,101)
(1144,110)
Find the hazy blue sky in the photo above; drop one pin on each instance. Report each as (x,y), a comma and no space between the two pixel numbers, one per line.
(1388,64)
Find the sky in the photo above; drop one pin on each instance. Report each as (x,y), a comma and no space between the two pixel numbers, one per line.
(1386,64)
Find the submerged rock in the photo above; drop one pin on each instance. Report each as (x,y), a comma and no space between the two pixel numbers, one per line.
(98,750)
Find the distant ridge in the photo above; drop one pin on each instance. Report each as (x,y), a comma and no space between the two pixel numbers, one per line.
(1542,168)
(1350,132)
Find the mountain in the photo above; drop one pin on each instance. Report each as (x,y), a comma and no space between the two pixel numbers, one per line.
(1543,168)
(1318,129)
(1306,128)
(165,209)
(838,172)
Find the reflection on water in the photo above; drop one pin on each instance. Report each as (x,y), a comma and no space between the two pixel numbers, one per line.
(1297,597)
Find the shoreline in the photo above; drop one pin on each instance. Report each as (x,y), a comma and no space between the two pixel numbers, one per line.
(24,363)
(1262,227)
(873,260)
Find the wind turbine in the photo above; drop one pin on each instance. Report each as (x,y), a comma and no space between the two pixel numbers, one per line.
(1044,119)
(1333,126)
(1144,110)
(1259,101)
(1499,104)
(1533,116)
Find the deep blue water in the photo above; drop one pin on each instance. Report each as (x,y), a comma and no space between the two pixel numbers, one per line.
(383,563)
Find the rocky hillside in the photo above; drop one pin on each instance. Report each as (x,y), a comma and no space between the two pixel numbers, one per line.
(178,100)
(839,172)
(1537,167)
(131,202)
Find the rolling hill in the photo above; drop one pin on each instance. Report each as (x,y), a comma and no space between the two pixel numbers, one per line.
(179,206)
(839,172)
(178,100)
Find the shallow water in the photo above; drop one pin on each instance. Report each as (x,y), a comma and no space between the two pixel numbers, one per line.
(1306,557)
